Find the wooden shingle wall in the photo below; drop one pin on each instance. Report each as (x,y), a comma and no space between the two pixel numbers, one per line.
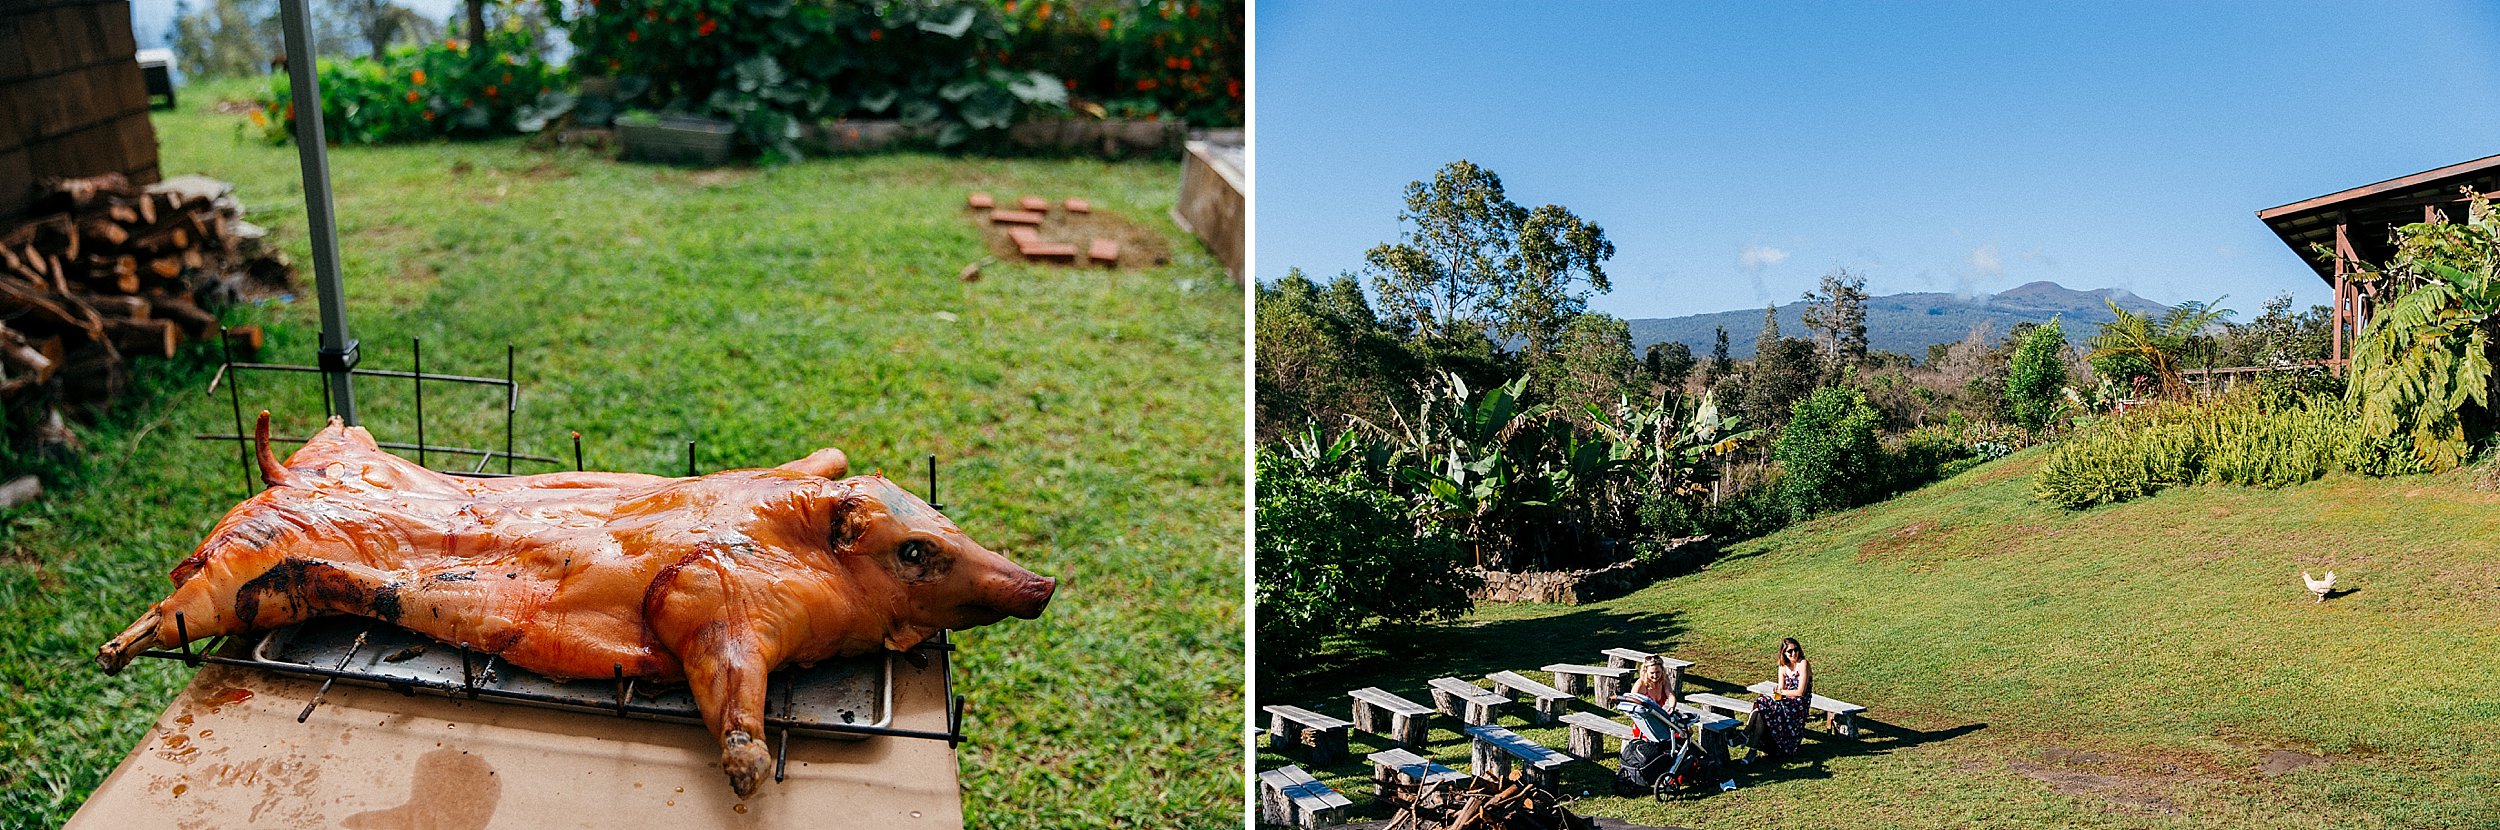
(72,102)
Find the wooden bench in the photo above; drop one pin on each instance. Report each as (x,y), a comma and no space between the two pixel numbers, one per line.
(1497,748)
(1290,728)
(1549,700)
(1626,658)
(1468,702)
(1407,719)
(1717,703)
(1609,681)
(1838,716)
(1396,769)
(1589,731)
(1291,797)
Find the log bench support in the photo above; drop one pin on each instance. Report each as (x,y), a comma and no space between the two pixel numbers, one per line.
(1468,702)
(1496,749)
(1381,713)
(1571,677)
(1628,658)
(1589,732)
(1397,770)
(1291,797)
(1839,717)
(1294,730)
(1549,701)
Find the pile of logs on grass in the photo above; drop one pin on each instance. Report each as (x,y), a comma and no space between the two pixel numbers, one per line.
(1488,804)
(105,272)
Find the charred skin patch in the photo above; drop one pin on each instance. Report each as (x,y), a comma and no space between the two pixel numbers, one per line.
(386,602)
(253,534)
(308,587)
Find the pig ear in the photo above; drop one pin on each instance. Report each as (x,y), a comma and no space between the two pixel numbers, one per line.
(824,463)
(849,521)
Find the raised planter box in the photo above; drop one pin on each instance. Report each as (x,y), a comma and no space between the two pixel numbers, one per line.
(1211,205)
(677,139)
(1113,138)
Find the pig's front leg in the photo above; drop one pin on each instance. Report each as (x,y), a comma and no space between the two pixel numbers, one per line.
(701,616)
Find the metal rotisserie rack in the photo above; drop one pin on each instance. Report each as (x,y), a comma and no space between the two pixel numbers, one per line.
(845,698)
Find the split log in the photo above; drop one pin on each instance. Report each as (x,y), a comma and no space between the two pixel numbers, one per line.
(154,338)
(194,321)
(122,306)
(246,340)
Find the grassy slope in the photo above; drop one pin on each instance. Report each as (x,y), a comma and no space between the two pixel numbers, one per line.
(1089,424)
(2125,667)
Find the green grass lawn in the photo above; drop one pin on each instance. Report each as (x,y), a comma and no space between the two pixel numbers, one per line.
(2135,666)
(1089,424)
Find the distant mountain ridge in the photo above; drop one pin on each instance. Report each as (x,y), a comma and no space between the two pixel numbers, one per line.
(1909,323)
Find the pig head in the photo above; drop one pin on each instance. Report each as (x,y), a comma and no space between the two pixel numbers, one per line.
(931,576)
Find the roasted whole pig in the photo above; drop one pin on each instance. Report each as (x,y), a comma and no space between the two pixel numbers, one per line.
(714,580)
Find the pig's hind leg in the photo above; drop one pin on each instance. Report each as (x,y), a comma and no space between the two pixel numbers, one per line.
(256,591)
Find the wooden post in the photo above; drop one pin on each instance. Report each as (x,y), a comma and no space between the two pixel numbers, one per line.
(1567,683)
(1608,688)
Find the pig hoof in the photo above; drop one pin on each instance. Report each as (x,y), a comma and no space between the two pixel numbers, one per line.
(746,762)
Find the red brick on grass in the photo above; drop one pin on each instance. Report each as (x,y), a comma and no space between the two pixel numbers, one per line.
(1104,250)
(1023,236)
(1035,204)
(1051,250)
(1079,206)
(981,201)
(1015,217)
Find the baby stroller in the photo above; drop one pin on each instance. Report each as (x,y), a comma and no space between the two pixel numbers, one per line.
(1669,752)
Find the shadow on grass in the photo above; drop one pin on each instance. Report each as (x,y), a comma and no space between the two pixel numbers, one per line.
(1402,660)
(1874,739)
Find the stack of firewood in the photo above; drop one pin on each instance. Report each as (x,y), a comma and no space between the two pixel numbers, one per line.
(106,272)
(1488,804)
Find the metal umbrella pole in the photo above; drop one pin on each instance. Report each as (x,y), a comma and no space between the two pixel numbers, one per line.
(338,350)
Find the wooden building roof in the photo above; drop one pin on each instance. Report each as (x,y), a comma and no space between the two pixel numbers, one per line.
(2371,213)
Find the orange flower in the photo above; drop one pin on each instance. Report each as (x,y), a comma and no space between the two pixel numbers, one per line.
(1184,64)
(1011,6)
(1071,84)
(418,76)
(1233,88)
(490,90)
(1044,13)
(412,96)
(633,37)
(708,27)
(876,34)
(507,77)
(1144,84)
(1106,24)
(259,119)
(428,115)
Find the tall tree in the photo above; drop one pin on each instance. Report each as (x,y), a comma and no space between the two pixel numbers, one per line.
(1323,356)
(1721,364)
(1471,261)
(1668,364)
(2035,377)
(1836,314)
(1592,363)
(1770,335)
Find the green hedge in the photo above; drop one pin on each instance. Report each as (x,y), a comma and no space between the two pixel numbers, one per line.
(2247,439)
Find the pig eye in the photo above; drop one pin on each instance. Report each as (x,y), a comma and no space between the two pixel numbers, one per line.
(914,552)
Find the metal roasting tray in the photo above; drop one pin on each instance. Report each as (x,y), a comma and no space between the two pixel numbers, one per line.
(847,698)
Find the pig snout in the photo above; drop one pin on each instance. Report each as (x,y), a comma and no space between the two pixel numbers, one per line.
(1026,599)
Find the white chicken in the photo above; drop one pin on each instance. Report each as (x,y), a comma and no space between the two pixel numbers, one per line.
(2321,587)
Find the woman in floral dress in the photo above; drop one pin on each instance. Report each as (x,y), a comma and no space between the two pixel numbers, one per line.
(1779,718)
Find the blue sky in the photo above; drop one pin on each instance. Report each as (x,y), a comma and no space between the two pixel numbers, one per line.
(1736,152)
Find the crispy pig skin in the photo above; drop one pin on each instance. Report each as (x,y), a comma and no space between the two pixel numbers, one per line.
(714,579)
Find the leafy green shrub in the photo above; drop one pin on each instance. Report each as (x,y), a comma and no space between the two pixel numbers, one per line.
(1829,455)
(1337,553)
(2035,379)
(773,68)
(2246,439)
(1138,58)
(431,91)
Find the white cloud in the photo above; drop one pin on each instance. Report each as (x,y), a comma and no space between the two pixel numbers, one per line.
(1757,257)
(1986,262)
